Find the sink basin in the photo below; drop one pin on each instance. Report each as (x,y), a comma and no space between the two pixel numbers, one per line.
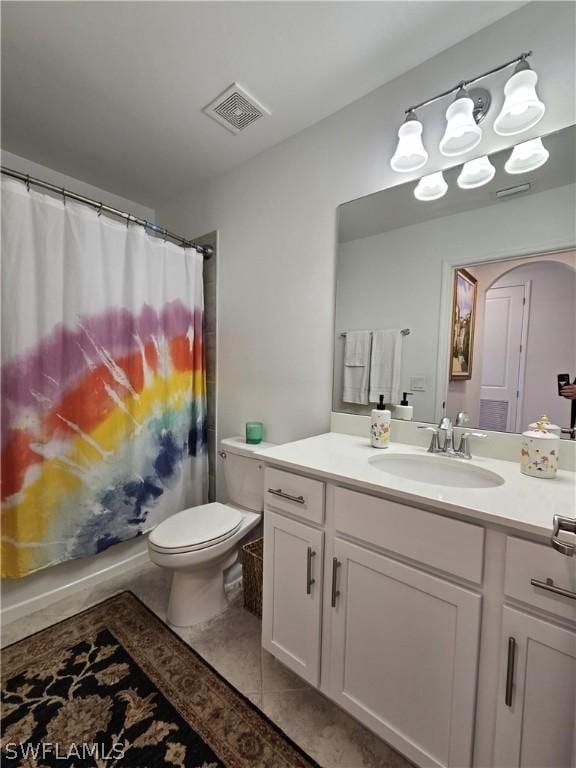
(437,470)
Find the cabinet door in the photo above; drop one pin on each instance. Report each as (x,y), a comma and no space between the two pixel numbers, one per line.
(405,654)
(536,722)
(292,594)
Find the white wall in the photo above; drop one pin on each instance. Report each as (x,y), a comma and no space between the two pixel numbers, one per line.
(23,165)
(22,596)
(394,280)
(276,218)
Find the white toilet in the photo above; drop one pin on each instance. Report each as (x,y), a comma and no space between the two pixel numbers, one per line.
(201,543)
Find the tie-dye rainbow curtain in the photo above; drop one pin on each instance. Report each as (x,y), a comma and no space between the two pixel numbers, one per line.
(103,381)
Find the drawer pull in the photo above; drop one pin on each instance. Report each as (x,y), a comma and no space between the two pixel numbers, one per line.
(335,590)
(287,496)
(549,586)
(510,671)
(567,524)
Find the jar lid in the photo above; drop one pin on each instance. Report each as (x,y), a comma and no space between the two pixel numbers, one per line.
(540,430)
(543,424)
(540,435)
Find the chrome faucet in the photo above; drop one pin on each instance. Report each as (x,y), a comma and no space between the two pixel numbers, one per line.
(447,448)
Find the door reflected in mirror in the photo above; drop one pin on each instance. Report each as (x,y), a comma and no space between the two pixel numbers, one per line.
(525,336)
(485,282)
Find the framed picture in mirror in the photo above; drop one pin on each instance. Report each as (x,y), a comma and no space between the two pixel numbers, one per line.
(463,320)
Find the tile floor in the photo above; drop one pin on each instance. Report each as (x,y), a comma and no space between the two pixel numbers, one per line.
(231,643)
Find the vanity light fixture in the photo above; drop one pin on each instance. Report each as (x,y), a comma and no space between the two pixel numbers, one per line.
(522,108)
(476,173)
(462,133)
(431,187)
(410,154)
(527,157)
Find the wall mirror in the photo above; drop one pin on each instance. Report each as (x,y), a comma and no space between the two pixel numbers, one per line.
(483,283)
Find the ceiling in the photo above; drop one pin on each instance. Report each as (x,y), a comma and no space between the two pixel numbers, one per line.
(112,92)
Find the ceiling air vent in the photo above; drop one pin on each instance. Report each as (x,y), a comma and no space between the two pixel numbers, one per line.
(235,109)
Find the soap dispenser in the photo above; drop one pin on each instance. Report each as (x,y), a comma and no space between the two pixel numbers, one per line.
(380,425)
(404,411)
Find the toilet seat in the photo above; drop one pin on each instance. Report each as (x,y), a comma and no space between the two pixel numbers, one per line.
(195,528)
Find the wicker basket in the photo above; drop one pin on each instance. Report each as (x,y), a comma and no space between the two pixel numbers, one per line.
(252,558)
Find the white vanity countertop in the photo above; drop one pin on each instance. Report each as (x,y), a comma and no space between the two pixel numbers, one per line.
(523,503)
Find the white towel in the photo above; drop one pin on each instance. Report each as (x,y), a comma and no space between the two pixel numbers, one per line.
(356,367)
(385,364)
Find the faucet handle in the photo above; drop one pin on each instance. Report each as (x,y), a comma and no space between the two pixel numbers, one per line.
(464,447)
(434,446)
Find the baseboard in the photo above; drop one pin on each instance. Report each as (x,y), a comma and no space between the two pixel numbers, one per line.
(24,596)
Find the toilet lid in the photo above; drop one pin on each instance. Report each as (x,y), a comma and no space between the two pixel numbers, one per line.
(196,528)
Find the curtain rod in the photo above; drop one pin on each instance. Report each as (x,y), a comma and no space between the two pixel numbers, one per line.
(205,250)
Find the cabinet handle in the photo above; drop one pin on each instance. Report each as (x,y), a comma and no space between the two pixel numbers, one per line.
(510,671)
(567,524)
(549,586)
(287,496)
(335,590)
(309,580)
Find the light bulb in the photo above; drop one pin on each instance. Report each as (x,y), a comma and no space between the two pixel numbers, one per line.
(522,108)
(527,157)
(476,173)
(462,133)
(410,154)
(431,187)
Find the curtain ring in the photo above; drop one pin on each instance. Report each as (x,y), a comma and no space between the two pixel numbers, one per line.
(128,221)
(64,195)
(27,182)
(100,209)
(165,235)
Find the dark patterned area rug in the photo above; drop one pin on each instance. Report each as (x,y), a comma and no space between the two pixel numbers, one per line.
(114,687)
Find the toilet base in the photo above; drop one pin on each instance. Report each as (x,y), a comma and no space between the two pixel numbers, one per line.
(198,595)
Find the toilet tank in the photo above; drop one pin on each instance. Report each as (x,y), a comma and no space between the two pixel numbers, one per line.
(243,472)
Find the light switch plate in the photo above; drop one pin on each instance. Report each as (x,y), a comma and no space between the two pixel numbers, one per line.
(418,383)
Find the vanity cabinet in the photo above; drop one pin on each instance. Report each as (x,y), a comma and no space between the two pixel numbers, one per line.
(404,651)
(536,720)
(441,635)
(292,594)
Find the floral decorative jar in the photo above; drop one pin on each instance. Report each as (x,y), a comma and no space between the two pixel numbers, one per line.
(539,451)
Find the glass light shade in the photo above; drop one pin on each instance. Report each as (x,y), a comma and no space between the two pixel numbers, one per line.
(522,108)
(410,153)
(461,134)
(527,157)
(431,187)
(476,173)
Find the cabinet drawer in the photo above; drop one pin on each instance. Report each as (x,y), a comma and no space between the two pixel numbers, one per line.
(526,560)
(440,542)
(299,496)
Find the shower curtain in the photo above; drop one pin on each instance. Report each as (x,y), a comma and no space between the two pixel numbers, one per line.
(103,381)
